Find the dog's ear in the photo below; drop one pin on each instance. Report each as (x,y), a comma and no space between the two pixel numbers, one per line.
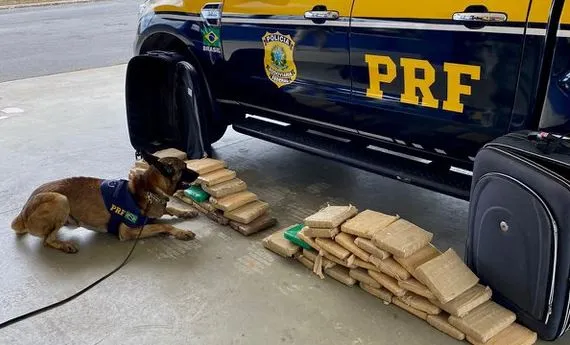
(153,160)
(189,175)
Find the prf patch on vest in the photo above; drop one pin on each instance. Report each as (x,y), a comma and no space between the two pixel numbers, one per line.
(278,60)
(382,70)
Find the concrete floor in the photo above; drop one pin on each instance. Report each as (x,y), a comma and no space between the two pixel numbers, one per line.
(221,288)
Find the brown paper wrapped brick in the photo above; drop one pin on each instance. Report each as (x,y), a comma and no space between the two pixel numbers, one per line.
(365,265)
(366,223)
(422,315)
(262,223)
(467,301)
(341,274)
(321,232)
(515,334)
(215,177)
(170,152)
(347,241)
(348,263)
(362,276)
(381,293)
(388,282)
(205,165)
(375,261)
(233,201)
(248,212)
(440,323)
(420,303)
(446,276)
(402,238)
(278,244)
(418,288)
(484,322)
(371,249)
(223,189)
(218,217)
(306,262)
(203,207)
(333,248)
(394,269)
(418,258)
(330,217)
(312,255)
(310,241)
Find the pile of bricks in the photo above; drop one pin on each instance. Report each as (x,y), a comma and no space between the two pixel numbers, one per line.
(395,261)
(228,202)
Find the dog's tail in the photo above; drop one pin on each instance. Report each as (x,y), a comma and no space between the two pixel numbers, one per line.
(18,223)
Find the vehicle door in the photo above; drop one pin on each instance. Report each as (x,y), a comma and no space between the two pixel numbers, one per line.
(436,75)
(289,58)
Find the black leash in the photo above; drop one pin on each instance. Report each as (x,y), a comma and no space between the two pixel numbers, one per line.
(77,294)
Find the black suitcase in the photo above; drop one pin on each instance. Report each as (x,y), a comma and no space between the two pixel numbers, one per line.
(161,93)
(518,239)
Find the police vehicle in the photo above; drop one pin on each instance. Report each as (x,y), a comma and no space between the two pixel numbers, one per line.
(409,89)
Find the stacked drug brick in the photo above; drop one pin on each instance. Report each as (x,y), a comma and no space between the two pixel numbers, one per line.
(220,195)
(395,261)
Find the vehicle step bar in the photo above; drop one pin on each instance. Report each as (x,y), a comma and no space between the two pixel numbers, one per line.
(369,158)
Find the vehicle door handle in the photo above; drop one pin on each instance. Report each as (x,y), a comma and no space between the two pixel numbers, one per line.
(481,17)
(321,15)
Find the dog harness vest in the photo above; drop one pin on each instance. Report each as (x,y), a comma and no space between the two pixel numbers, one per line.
(122,206)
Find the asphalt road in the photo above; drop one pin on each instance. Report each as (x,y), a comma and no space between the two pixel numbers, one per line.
(53,39)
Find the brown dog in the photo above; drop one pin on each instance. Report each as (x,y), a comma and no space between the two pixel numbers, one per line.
(121,207)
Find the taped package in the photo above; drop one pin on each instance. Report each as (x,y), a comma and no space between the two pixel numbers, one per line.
(203,207)
(223,189)
(365,265)
(312,255)
(347,242)
(262,223)
(218,217)
(348,263)
(321,232)
(171,152)
(333,248)
(388,282)
(418,258)
(484,322)
(370,248)
(215,177)
(440,323)
(446,276)
(305,261)
(362,276)
(233,201)
(467,301)
(302,235)
(393,269)
(205,165)
(402,238)
(422,315)
(381,293)
(515,334)
(420,303)
(367,223)
(248,212)
(418,288)
(277,243)
(341,274)
(330,217)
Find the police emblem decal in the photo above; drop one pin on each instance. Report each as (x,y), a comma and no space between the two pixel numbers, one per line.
(278,60)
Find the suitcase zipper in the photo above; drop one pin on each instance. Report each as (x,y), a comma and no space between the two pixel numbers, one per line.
(552,219)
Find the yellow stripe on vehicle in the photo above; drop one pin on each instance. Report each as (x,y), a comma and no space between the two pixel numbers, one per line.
(284,7)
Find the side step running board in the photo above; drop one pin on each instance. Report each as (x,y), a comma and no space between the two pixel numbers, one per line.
(367,158)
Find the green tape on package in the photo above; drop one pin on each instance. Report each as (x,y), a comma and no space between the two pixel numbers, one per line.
(197,194)
(291,235)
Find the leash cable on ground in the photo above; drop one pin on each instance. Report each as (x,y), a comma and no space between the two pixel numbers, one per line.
(77,294)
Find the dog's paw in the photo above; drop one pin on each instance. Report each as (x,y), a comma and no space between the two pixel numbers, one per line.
(69,247)
(184,235)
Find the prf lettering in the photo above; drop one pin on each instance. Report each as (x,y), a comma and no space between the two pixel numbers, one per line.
(118,210)
(412,83)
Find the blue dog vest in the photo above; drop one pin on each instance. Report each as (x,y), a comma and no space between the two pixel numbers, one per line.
(121,205)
